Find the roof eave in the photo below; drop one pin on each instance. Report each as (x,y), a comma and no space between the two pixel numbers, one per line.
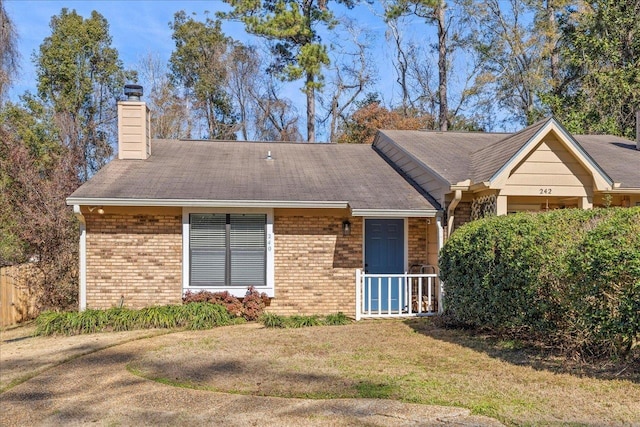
(395,213)
(629,190)
(99,201)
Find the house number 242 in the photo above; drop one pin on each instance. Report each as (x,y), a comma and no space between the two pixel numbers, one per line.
(545,191)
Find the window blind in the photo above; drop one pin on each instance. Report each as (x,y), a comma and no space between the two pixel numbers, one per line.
(248,255)
(207,240)
(227,249)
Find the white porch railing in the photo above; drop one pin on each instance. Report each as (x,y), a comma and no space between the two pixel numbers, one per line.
(397,295)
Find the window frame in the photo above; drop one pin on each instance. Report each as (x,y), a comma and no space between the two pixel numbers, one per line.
(238,291)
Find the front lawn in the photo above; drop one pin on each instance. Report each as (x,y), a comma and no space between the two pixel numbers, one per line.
(411,361)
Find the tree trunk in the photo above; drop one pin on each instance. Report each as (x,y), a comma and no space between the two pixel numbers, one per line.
(553,52)
(311,109)
(442,65)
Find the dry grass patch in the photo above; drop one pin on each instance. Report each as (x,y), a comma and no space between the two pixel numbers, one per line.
(407,361)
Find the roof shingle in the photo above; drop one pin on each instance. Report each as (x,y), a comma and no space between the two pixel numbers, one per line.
(239,171)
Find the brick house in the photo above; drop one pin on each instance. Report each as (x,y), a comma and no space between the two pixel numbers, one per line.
(320,228)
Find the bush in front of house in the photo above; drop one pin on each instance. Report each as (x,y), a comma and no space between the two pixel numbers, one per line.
(271,320)
(251,306)
(567,278)
(189,316)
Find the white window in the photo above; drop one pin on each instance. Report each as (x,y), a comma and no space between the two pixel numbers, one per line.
(227,251)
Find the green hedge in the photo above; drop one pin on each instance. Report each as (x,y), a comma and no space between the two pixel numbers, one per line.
(569,278)
(201,315)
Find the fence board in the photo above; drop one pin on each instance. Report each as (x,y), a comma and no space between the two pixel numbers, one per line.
(17,298)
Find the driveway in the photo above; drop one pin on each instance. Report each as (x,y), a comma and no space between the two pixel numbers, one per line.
(83,379)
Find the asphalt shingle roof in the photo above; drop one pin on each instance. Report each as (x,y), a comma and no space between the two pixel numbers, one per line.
(446,153)
(458,156)
(487,160)
(239,171)
(617,156)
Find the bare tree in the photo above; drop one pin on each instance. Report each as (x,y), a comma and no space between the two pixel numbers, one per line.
(351,74)
(513,71)
(275,117)
(243,73)
(402,61)
(433,12)
(170,117)
(33,194)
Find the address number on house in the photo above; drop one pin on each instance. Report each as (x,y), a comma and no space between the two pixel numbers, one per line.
(545,191)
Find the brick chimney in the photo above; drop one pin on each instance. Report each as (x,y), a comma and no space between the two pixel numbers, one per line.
(134,135)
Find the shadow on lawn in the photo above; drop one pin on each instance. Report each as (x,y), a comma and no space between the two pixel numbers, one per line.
(523,354)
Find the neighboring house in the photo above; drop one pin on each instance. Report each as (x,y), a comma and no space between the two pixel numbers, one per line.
(305,222)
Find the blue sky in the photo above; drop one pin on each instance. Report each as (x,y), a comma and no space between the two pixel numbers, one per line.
(140,27)
(137,26)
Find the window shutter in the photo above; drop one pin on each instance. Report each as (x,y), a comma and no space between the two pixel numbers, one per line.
(248,250)
(207,239)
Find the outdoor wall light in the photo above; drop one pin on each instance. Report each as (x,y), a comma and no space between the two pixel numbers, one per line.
(346,227)
(99,209)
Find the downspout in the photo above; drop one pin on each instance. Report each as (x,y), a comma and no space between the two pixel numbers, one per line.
(82,294)
(457,196)
(440,244)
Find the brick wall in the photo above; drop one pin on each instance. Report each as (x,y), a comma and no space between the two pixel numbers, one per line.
(137,256)
(417,241)
(315,264)
(462,214)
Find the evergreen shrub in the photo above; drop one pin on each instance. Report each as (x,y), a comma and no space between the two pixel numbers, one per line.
(251,306)
(567,278)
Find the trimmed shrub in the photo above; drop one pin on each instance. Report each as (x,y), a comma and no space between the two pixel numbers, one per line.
(568,278)
(250,307)
(254,303)
(225,299)
(190,316)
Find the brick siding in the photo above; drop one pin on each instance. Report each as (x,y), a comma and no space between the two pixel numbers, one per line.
(315,264)
(139,257)
(417,241)
(462,214)
(135,256)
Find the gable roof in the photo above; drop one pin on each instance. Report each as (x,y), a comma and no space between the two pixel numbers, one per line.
(448,154)
(231,173)
(457,157)
(488,160)
(618,156)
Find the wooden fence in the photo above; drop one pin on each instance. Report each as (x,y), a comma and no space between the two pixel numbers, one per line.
(17,298)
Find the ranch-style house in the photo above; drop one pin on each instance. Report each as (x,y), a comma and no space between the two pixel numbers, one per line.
(321,228)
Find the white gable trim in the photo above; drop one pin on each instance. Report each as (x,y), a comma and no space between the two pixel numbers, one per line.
(602,182)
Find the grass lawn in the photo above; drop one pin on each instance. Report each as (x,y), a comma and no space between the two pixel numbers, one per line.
(411,361)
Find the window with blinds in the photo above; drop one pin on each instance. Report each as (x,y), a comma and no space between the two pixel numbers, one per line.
(227,249)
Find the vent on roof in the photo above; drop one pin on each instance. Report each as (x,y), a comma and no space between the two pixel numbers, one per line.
(133,92)
(269,156)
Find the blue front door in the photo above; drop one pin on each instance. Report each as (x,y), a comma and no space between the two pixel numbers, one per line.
(384,254)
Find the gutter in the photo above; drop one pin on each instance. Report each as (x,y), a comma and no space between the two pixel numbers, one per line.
(451,209)
(395,213)
(82,274)
(207,203)
(623,191)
